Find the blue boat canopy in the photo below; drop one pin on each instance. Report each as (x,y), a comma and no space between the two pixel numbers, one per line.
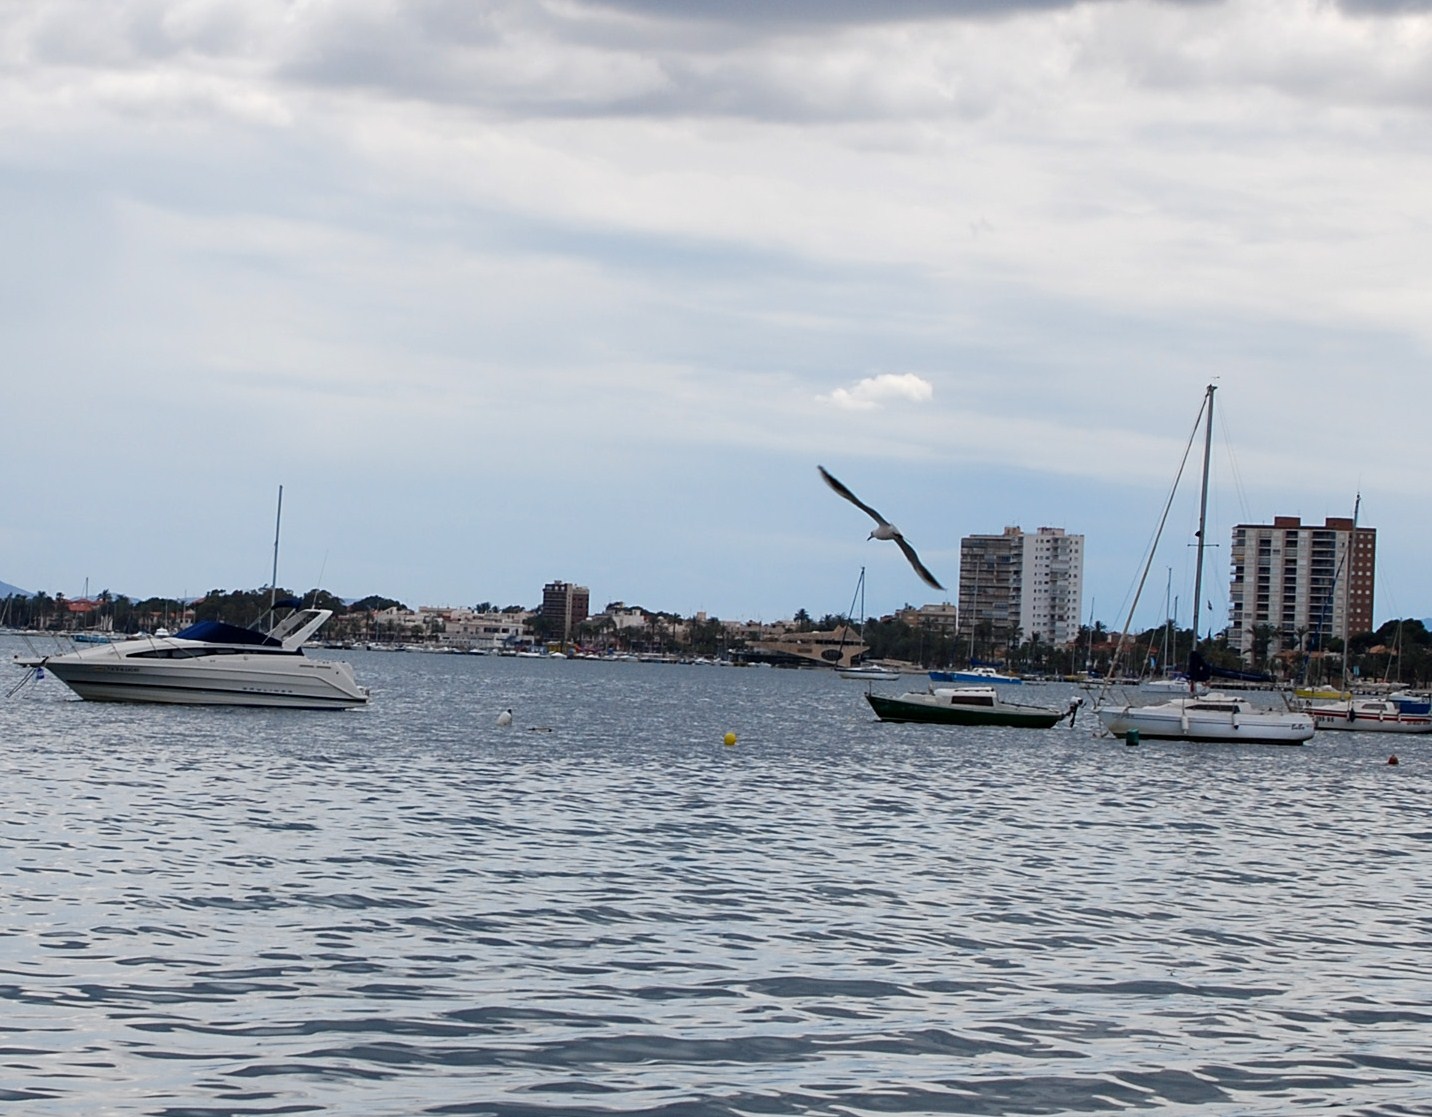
(219,632)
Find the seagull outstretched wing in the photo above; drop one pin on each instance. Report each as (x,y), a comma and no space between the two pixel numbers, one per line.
(915,561)
(884,529)
(850,496)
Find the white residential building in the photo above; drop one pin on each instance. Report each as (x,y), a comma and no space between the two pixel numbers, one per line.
(1032,583)
(1053,586)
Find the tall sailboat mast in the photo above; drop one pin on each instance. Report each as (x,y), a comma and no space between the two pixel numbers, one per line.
(277,522)
(1202,514)
(1347,589)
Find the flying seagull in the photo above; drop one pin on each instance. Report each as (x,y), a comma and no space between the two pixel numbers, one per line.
(884,529)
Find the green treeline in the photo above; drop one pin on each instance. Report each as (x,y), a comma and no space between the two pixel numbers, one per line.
(117,613)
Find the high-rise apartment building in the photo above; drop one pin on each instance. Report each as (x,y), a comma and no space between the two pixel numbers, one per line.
(1305,583)
(564,607)
(1049,603)
(1031,584)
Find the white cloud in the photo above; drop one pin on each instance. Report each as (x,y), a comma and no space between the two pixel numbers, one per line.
(875,391)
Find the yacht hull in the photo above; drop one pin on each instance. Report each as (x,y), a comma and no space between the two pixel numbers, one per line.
(211,664)
(304,685)
(1371,716)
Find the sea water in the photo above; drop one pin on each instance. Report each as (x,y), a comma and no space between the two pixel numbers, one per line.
(603,909)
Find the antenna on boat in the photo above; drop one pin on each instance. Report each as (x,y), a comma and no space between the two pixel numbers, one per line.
(273,582)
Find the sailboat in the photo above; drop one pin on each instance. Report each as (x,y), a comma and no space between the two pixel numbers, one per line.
(1211,717)
(869,671)
(1167,680)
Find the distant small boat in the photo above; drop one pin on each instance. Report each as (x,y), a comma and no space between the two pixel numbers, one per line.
(968,705)
(1322,693)
(975,675)
(1172,682)
(868,671)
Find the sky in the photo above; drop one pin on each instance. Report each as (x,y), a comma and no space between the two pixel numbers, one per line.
(502,293)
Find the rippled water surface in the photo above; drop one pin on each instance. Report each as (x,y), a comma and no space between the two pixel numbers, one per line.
(602,910)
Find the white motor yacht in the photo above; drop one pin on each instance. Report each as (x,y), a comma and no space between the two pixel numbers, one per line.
(211,663)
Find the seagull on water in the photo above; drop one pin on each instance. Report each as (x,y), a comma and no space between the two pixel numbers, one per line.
(884,529)
(504,718)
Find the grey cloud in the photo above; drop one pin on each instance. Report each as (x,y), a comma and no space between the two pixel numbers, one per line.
(825,13)
(1385,7)
(530,61)
(813,14)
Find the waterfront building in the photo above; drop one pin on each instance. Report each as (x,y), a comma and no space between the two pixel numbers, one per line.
(837,647)
(941,619)
(486,632)
(1304,583)
(1017,585)
(564,607)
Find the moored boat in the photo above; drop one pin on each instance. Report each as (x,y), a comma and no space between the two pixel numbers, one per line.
(975,675)
(968,705)
(1370,715)
(1210,717)
(211,664)
(870,671)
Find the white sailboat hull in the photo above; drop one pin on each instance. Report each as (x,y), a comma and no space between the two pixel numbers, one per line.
(1212,718)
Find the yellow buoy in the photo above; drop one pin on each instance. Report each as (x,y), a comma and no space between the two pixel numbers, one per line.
(730,739)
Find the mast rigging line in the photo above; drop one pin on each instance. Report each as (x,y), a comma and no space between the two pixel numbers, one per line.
(1158,535)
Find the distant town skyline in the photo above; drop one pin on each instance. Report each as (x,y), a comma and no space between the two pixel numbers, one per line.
(1054,560)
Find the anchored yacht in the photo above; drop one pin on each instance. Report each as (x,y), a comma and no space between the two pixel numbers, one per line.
(211,664)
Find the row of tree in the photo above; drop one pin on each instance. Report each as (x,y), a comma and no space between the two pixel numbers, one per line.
(107,612)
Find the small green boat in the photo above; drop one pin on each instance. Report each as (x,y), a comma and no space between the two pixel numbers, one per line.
(968,705)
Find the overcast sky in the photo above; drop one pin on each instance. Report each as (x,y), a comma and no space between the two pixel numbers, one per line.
(507,292)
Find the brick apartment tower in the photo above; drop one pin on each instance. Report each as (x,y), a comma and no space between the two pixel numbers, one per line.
(1302,581)
(564,607)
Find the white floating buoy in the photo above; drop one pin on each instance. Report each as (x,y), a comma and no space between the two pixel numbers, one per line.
(504,718)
